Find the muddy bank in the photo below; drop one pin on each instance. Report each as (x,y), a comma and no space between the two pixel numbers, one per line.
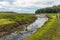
(19,25)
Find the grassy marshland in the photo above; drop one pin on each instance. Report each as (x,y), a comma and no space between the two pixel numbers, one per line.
(12,22)
(49,31)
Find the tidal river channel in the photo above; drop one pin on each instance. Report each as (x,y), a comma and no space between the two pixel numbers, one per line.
(32,28)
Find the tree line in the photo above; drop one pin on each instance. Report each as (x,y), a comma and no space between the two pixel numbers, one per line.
(53,9)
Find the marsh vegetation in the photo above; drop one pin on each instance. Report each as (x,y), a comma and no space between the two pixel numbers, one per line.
(12,22)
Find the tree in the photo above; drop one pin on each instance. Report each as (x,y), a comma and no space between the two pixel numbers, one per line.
(53,9)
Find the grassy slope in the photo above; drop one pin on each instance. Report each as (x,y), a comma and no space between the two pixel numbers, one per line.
(48,31)
(54,32)
(12,22)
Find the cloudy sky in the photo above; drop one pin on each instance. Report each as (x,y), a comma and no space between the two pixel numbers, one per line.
(26,6)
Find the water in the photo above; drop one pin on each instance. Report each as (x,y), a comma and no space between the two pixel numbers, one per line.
(24,34)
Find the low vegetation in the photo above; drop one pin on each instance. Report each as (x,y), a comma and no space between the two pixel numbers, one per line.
(5,21)
(12,22)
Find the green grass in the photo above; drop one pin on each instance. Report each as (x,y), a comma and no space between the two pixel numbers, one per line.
(5,21)
(49,31)
(10,22)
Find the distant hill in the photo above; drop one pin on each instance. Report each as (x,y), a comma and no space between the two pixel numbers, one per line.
(6,12)
(54,9)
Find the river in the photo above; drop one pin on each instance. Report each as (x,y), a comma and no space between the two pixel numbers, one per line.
(32,28)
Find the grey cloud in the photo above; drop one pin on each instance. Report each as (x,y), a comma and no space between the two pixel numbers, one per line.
(23,9)
(45,3)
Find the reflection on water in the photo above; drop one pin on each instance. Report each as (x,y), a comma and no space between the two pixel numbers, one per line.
(23,34)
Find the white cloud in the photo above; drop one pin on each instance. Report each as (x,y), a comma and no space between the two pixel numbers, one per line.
(4,3)
(23,5)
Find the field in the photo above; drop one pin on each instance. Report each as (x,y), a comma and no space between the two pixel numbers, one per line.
(10,22)
(49,31)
